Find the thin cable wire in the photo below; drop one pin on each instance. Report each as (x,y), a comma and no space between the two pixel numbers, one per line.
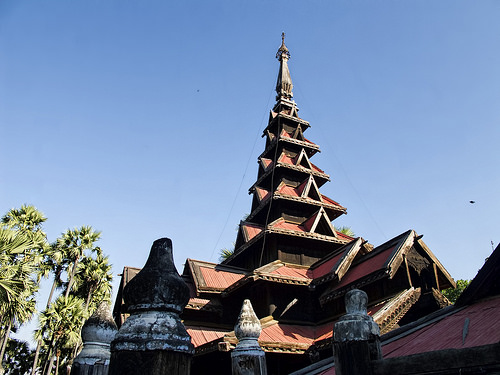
(271,191)
(332,150)
(243,177)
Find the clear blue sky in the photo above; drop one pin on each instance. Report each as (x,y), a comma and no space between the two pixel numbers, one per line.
(143,118)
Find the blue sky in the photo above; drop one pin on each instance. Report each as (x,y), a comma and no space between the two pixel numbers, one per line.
(143,118)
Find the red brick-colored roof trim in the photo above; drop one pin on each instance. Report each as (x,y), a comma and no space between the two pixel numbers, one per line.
(212,278)
(447,333)
(262,194)
(250,230)
(266,163)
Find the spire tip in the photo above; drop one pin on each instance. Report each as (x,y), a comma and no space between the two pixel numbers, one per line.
(282,51)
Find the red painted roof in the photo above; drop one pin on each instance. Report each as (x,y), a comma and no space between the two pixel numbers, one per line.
(281,223)
(193,299)
(266,162)
(288,333)
(287,270)
(301,187)
(250,230)
(447,333)
(304,227)
(370,265)
(262,194)
(219,279)
(203,335)
(286,159)
(307,225)
(326,267)
(331,201)
(287,190)
(330,371)
(325,331)
(316,168)
(345,236)
(308,141)
(285,134)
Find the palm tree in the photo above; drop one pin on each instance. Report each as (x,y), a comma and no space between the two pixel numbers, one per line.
(27,219)
(15,269)
(54,262)
(74,242)
(93,280)
(18,311)
(17,285)
(346,230)
(61,324)
(64,255)
(92,283)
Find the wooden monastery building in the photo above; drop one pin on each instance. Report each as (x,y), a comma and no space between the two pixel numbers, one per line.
(294,266)
(460,339)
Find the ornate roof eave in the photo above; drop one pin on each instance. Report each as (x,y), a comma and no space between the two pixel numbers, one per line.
(389,315)
(290,280)
(305,124)
(290,232)
(438,264)
(229,341)
(338,209)
(266,277)
(357,284)
(300,168)
(338,271)
(198,281)
(312,147)
(279,347)
(208,306)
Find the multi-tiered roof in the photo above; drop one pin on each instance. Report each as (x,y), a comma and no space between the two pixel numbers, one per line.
(294,266)
(290,219)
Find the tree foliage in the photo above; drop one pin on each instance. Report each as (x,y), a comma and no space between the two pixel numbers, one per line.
(22,243)
(18,358)
(453,293)
(346,230)
(80,271)
(225,253)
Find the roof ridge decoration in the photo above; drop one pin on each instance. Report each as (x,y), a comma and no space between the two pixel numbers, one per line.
(303,160)
(284,84)
(311,190)
(298,134)
(312,224)
(392,311)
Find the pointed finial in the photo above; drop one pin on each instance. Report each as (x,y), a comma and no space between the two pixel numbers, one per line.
(248,357)
(283,50)
(284,84)
(248,325)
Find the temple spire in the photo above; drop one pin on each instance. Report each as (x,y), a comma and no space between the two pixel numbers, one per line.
(284,85)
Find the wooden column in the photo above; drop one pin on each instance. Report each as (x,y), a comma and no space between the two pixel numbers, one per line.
(153,339)
(356,337)
(97,333)
(248,358)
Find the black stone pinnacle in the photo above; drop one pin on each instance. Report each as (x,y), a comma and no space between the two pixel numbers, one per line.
(157,286)
(153,339)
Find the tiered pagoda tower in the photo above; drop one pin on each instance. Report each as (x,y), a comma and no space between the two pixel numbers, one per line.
(292,264)
(290,219)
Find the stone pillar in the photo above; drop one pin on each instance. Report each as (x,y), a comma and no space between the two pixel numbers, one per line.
(153,339)
(247,357)
(97,333)
(356,337)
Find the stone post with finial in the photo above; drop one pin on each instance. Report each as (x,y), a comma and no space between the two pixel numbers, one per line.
(153,339)
(247,357)
(356,337)
(97,333)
